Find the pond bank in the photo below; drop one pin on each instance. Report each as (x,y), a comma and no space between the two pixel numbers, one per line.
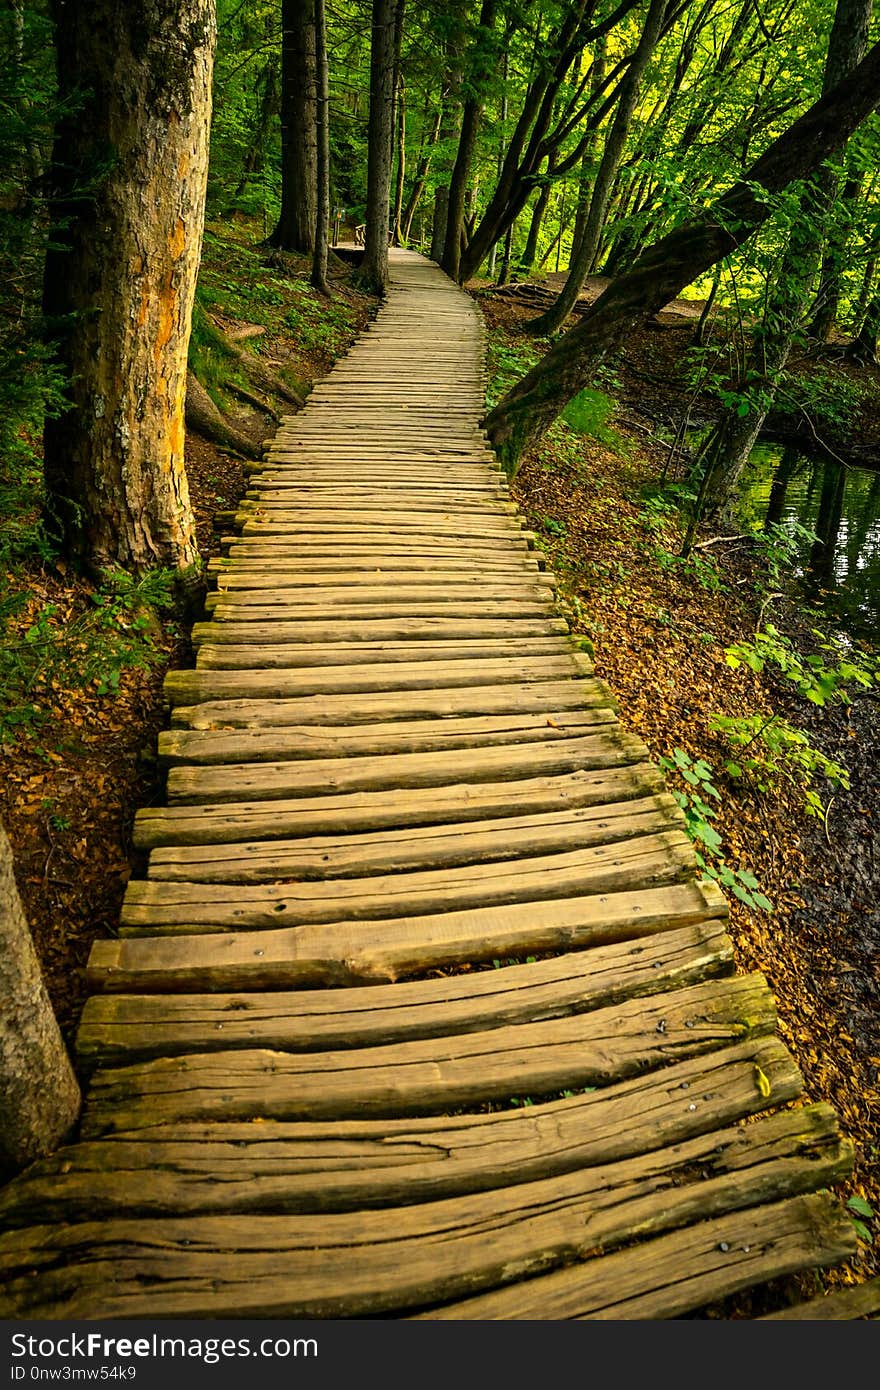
(660,628)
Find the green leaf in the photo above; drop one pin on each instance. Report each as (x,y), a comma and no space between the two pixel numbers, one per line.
(860,1207)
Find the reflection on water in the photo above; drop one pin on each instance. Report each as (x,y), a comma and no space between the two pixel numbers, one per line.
(841,505)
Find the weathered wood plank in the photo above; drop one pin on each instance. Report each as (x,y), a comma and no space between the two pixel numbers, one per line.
(350,1264)
(607,748)
(538,697)
(289,655)
(192,687)
(117,1028)
(356,596)
(340,953)
(367,630)
(422,735)
(675,1274)
(419,847)
(373,811)
(431,1075)
(157,907)
(350,1165)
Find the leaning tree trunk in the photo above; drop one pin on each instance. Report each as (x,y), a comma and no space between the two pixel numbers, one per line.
(40,1093)
(129,171)
(299,126)
(735,435)
(374,267)
(660,274)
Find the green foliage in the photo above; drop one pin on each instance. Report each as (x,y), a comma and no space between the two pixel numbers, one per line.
(862,1212)
(779,544)
(43,648)
(507,361)
(818,680)
(589,413)
(769,750)
(695,800)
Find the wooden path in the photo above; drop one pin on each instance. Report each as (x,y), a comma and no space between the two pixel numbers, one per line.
(419,1010)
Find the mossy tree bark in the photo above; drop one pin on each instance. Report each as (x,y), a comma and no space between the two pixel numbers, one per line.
(41,1097)
(662,271)
(299,129)
(322,225)
(386,20)
(128,195)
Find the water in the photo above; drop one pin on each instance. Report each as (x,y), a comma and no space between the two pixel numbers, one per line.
(841,505)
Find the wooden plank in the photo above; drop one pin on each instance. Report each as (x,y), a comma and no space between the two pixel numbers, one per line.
(268,608)
(373,629)
(470,842)
(212,746)
(351,1165)
(611,747)
(676,1274)
(155,907)
(855,1301)
(539,697)
(290,655)
(415,598)
(193,687)
(344,953)
(374,811)
(431,1075)
(363,1263)
(117,1028)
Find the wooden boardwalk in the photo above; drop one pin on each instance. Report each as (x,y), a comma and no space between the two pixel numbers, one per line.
(419,1010)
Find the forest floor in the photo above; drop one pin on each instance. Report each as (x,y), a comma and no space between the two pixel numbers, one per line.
(659,627)
(81,667)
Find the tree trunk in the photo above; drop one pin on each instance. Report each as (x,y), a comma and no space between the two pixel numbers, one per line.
(664,269)
(482,64)
(322,106)
(863,348)
(299,126)
(401,161)
(530,254)
(421,176)
(40,1094)
(203,416)
(735,435)
(585,250)
(121,272)
(374,268)
(830,279)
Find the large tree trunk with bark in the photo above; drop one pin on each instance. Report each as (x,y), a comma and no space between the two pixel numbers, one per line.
(322,104)
(662,271)
(129,173)
(299,127)
(374,268)
(40,1095)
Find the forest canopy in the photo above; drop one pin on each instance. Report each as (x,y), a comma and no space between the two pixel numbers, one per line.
(725,149)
